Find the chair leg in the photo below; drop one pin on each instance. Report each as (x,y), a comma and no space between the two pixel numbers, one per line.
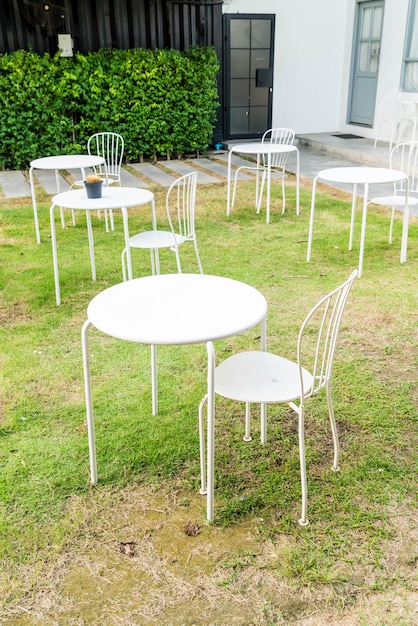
(335,466)
(260,195)
(263,429)
(392,218)
(197,256)
(235,187)
(202,443)
(303,521)
(124,264)
(247,436)
(283,194)
(177,253)
(155,261)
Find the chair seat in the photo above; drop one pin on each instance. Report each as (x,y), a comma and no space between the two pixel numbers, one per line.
(155,239)
(260,377)
(394,200)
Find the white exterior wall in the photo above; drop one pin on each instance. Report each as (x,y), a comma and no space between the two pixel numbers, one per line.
(313,55)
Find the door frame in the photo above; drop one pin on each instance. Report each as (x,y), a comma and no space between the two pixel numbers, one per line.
(354,61)
(228,17)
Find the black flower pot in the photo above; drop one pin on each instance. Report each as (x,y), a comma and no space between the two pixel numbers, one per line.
(94,190)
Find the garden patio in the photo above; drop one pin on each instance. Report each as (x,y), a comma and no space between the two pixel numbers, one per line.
(135,549)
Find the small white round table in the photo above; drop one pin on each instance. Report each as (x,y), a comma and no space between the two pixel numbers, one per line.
(360,176)
(169,309)
(113,198)
(257,148)
(57,163)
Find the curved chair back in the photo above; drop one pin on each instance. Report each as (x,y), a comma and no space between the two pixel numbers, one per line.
(180,206)
(404,157)
(111,147)
(280,136)
(318,336)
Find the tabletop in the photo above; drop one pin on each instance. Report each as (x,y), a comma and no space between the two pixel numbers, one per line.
(66,161)
(361,175)
(112,198)
(262,148)
(174,309)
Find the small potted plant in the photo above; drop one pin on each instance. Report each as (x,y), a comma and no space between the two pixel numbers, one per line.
(93,185)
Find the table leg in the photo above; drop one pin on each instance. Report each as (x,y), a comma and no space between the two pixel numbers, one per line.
(257,184)
(228,184)
(404,244)
(57,180)
(268,187)
(89,402)
(35,209)
(263,408)
(353,215)
(127,248)
(154,379)
(363,229)
(311,219)
(91,244)
(297,184)
(55,254)
(210,457)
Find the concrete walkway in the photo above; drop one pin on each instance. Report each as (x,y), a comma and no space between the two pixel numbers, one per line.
(317,152)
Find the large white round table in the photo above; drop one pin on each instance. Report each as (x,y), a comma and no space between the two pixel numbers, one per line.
(360,176)
(170,309)
(112,198)
(57,163)
(258,148)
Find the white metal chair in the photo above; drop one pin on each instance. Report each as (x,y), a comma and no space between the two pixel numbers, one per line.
(284,136)
(111,147)
(403,157)
(263,377)
(391,114)
(180,210)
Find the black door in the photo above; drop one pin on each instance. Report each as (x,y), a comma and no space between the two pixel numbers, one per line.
(249,41)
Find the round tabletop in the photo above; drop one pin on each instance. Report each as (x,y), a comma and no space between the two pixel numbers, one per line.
(262,148)
(67,162)
(112,198)
(361,175)
(177,309)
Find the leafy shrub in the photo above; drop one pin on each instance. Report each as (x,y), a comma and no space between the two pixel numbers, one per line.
(163,102)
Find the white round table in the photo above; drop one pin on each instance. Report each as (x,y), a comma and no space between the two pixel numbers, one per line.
(257,148)
(112,198)
(170,309)
(57,163)
(359,176)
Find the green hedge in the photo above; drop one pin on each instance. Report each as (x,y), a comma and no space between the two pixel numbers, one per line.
(163,102)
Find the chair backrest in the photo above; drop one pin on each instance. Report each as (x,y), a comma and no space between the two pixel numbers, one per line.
(282,136)
(180,205)
(389,107)
(318,336)
(404,157)
(111,147)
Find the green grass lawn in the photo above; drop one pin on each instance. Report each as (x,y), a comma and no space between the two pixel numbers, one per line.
(57,531)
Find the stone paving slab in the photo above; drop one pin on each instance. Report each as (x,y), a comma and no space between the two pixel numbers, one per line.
(49,182)
(130,180)
(14,184)
(237,161)
(154,173)
(183,167)
(219,169)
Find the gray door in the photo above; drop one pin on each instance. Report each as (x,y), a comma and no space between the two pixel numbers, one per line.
(248,74)
(365,69)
